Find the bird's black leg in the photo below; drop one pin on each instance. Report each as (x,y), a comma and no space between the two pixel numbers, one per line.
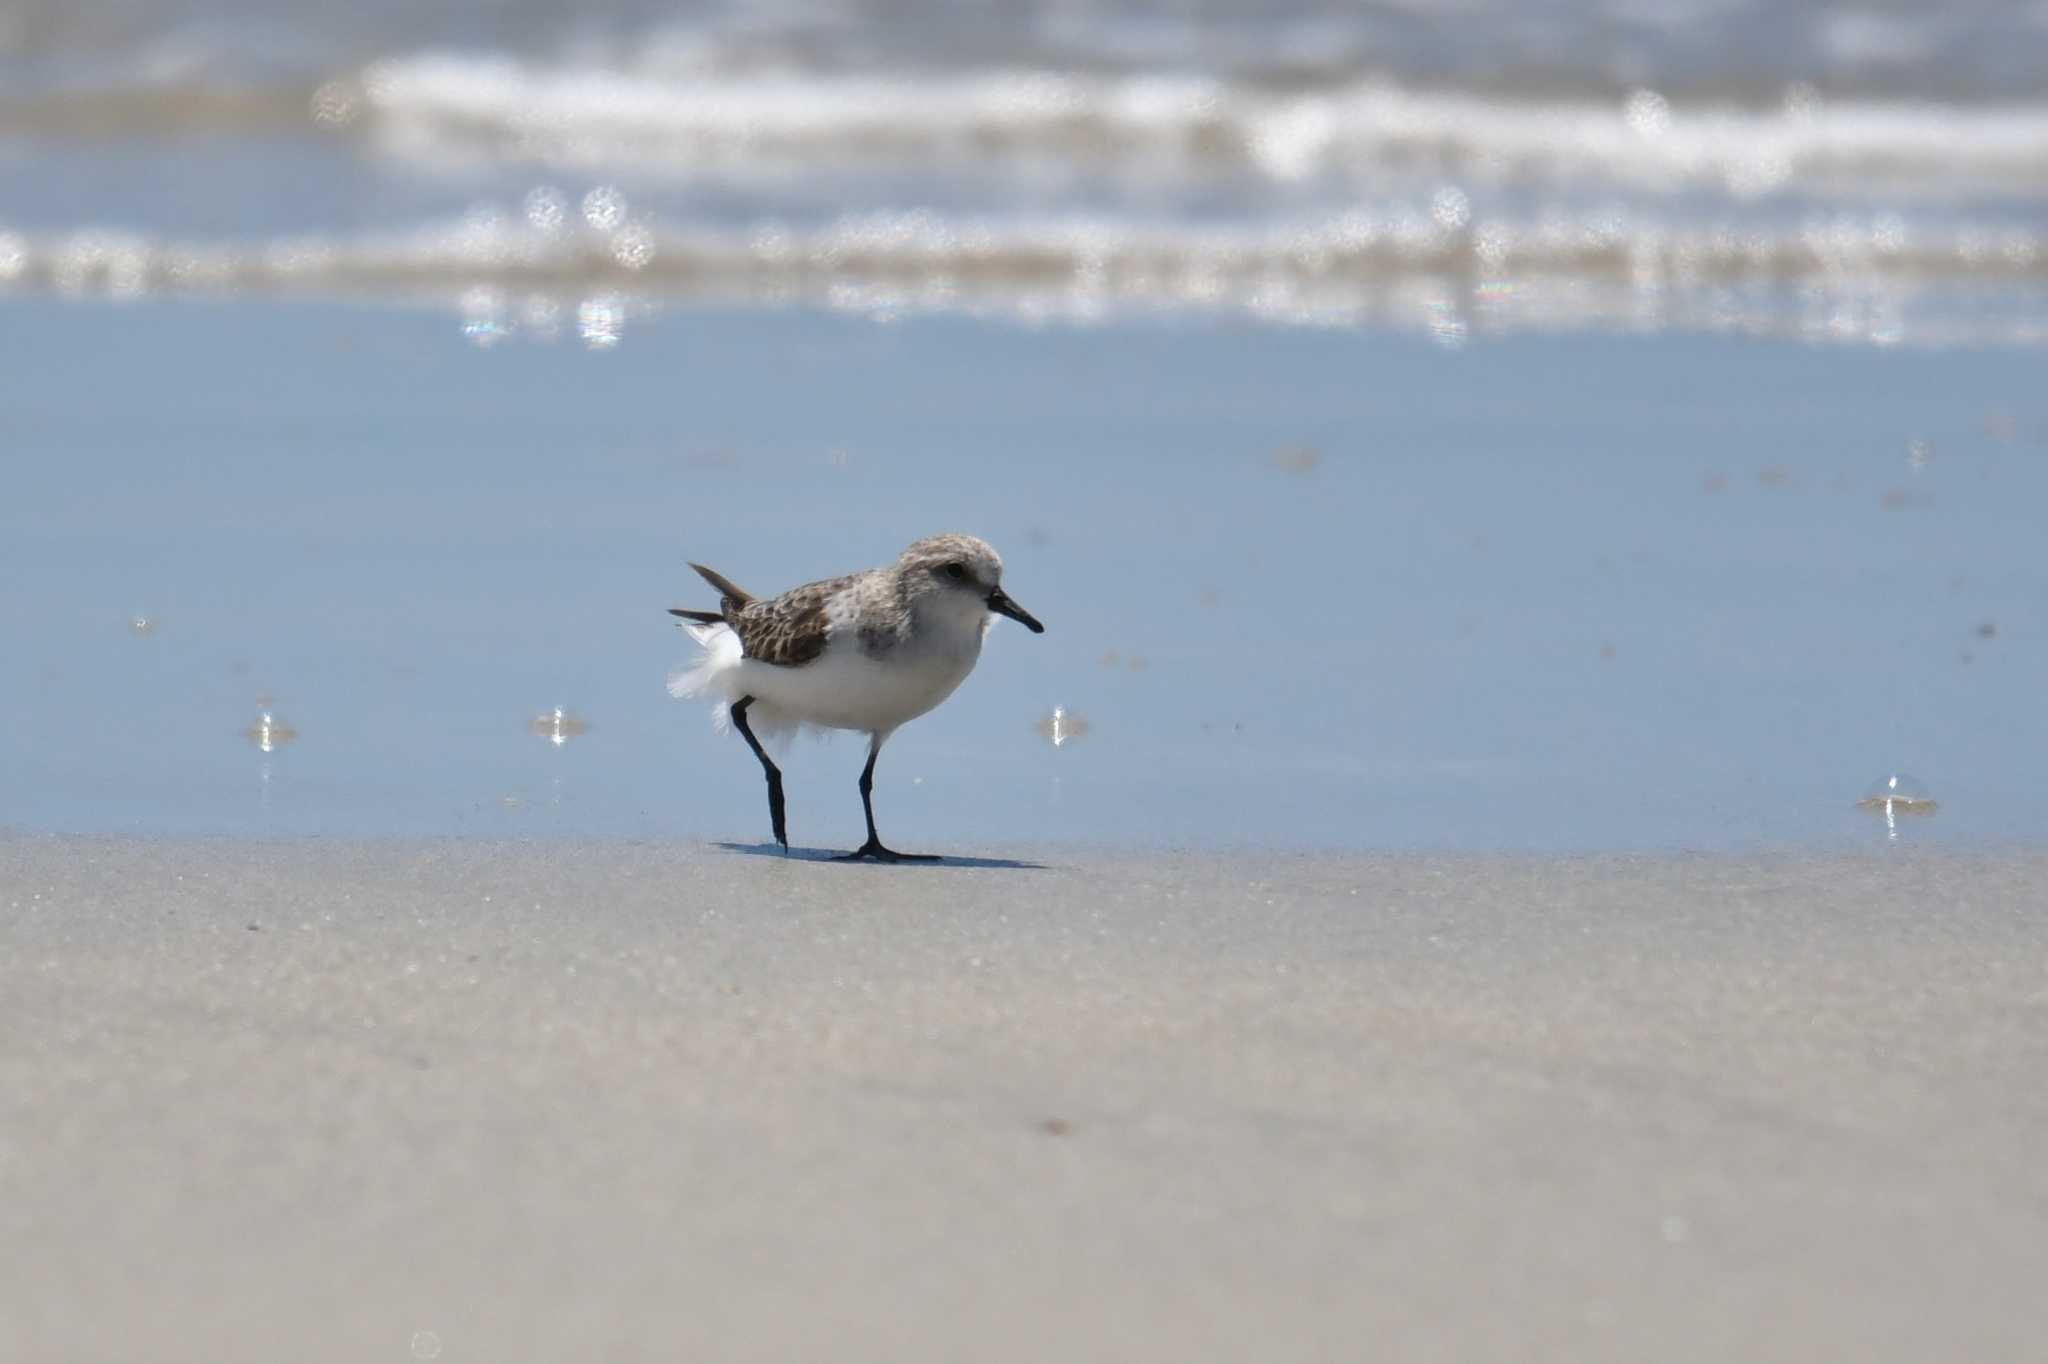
(739,720)
(873,847)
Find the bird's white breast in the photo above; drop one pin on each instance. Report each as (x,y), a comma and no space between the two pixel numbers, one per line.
(848,688)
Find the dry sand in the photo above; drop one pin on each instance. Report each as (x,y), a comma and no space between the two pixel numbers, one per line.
(464,1101)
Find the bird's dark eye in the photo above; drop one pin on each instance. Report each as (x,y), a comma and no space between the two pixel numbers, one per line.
(956,571)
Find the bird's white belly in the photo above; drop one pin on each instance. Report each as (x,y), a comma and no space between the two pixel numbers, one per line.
(848,689)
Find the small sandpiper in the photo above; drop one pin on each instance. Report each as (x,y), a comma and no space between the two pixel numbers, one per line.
(868,652)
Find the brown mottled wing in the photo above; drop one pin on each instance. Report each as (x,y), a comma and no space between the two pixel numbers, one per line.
(788,631)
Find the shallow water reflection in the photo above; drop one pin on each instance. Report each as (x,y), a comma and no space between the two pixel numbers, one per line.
(1580,593)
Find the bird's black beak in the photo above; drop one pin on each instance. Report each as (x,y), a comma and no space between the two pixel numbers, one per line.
(1000,603)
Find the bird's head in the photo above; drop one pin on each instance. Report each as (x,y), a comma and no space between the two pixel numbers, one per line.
(961,569)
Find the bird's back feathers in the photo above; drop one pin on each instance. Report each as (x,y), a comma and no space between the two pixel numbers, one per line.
(788,631)
(792,629)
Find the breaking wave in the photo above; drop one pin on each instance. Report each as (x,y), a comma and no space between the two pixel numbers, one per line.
(1177,127)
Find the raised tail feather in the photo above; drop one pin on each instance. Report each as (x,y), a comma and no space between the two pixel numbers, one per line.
(731,595)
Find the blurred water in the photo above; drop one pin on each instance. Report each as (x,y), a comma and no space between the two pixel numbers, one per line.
(1972,49)
(1319,588)
(1477,425)
(1835,171)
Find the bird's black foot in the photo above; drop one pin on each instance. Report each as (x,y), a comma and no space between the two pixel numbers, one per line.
(873,848)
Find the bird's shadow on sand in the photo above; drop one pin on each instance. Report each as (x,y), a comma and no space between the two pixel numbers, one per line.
(828,855)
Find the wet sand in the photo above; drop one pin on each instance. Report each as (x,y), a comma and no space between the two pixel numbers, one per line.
(550,1101)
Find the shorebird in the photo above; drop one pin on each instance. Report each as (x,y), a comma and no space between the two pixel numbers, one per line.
(867,651)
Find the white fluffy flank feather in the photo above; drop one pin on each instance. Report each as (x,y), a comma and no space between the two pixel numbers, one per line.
(714,672)
(719,676)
